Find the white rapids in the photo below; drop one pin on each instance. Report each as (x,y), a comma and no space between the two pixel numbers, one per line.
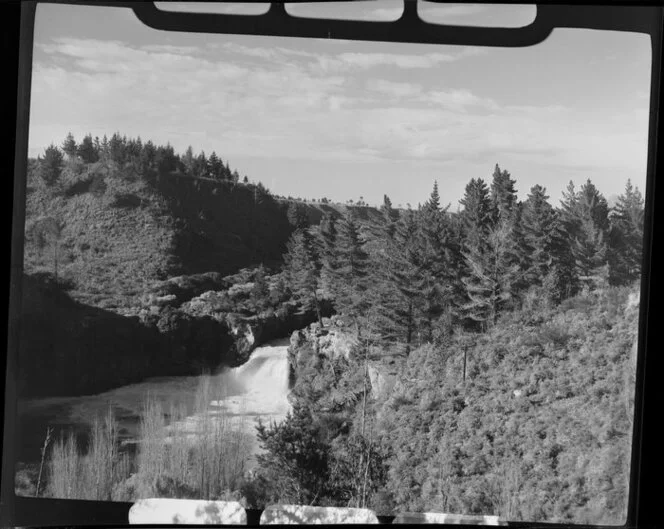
(240,397)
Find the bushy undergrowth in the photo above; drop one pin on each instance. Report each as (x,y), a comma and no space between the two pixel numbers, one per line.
(536,427)
(89,476)
(203,455)
(539,430)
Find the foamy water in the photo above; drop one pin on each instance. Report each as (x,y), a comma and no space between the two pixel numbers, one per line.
(256,390)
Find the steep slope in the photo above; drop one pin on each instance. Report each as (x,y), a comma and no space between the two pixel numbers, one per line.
(534,425)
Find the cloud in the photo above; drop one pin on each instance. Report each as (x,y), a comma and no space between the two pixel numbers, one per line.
(353,60)
(280,107)
(393,89)
(459,100)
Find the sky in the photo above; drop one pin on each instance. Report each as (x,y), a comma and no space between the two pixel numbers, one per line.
(348,119)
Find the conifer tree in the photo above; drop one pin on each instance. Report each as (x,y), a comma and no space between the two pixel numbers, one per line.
(148,157)
(476,214)
(327,251)
(438,269)
(188,161)
(550,263)
(303,270)
(87,151)
(69,146)
(352,270)
(539,220)
(201,165)
(398,299)
(215,167)
(50,166)
(503,195)
(433,204)
(104,149)
(117,146)
(626,236)
(589,225)
(492,275)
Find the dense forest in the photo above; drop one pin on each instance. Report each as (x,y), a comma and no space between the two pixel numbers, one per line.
(508,329)
(514,336)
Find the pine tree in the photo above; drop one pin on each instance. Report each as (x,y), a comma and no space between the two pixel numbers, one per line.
(201,165)
(295,458)
(626,236)
(87,151)
(476,214)
(538,220)
(327,250)
(438,260)
(433,203)
(352,270)
(50,166)
(104,149)
(215,167)
(493,273)
(584,216)
(166,160)
(69,146)
(589,244)
(397,298)
(303,271)
(188,161)
(503,195)
(261,290)
(148,157)
(117,148)
(550,261)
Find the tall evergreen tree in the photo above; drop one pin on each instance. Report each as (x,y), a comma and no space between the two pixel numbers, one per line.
(148,157)
(87,151)
(398,297)
(352,270)
(626,236)
(201,165)
(303,270)
(492,275)
(433,203)
(589,246)
(117,148)
(188,161)
(69,146)
(327,251)
(476,214)
(550,262)
(104,149)
(50,166)
(503,195)
(539,223)
(215,167)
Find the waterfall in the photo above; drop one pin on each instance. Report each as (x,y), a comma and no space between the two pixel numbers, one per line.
(261,384)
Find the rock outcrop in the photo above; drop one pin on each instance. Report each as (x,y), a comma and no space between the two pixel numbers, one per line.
(70,348)
(336,339)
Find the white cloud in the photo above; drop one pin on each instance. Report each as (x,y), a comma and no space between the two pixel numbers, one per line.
(284,109)
(458,100)
(394,89)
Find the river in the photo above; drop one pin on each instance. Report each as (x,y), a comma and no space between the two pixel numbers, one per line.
(257,389)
